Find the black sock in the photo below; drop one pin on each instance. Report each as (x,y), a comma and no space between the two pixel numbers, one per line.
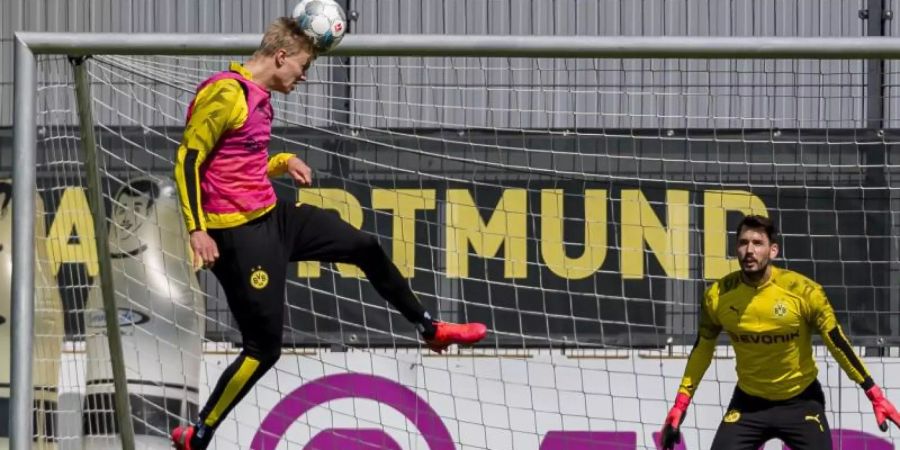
(426,326)
(202,436)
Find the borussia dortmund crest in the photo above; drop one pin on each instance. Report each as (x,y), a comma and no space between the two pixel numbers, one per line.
(259,278)
(780,309)
(732,416)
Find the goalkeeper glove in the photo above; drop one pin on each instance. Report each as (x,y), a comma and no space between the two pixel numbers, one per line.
(883,407)
(671,432)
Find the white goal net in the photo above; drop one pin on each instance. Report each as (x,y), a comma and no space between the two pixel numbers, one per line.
(579,207)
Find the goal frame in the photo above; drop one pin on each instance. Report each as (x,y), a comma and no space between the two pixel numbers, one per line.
(79,45)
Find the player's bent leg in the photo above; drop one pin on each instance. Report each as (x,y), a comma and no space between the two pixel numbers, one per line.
(741,431)
(390,284)
(801,423)
(323,236)
(804,426)
(253,278)
(234,384)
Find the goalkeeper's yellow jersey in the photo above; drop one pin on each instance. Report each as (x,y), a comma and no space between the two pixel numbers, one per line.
(770,327)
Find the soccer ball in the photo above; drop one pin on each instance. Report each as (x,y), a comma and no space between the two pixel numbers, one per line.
(323,21)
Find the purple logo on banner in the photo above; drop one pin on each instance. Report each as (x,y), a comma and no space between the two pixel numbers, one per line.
(336,387)
(589,440)
(856,440)
(432,428)
(352,439)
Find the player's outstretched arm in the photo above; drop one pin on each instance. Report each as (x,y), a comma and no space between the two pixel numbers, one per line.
(884,409)
(671,431)
(840,349)
(698,362)
(843,353)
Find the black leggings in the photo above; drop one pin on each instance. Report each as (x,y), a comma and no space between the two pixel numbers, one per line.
(799,422)
(252,268)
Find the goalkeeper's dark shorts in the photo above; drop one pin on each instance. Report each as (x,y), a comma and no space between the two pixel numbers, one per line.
(799,422)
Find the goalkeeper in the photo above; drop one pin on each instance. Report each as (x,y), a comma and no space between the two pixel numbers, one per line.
(246,236)
(770,315)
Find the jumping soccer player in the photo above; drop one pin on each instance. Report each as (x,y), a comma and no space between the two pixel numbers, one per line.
(246,236)
(770,315)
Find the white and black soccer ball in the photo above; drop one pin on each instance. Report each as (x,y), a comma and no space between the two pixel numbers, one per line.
(322,20)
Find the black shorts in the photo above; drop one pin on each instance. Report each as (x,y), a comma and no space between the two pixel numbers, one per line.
(800,421)
(253,260)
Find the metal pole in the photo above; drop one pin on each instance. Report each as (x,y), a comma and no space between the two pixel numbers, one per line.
(98,212)
(340,106)
(874,156)
(872,47)
(22,294)
(874,68)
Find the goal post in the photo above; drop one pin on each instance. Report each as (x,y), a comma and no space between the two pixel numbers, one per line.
(653,227)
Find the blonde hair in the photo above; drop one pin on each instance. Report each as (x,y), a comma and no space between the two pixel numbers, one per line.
(284,33)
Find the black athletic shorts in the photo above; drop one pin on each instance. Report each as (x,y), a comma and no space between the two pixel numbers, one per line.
(799,422)
(253,261)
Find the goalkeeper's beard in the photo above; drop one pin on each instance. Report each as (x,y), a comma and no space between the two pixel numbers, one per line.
(755,275)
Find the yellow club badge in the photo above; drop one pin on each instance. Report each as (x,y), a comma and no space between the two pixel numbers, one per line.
(259,278)
(732,416)
(780,309)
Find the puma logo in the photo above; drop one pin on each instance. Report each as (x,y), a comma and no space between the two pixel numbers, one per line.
(815,419)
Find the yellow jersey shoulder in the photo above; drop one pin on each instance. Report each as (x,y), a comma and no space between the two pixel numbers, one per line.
(794,282)
(718,290)
(724,285)
(225,95)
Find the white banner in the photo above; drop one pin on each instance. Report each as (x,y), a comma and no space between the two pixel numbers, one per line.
(540,401)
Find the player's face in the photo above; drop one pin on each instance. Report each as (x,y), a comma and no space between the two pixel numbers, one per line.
(291,69)
(754,250)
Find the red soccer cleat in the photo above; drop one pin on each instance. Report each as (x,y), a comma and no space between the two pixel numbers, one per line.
(181,437)
(447,333)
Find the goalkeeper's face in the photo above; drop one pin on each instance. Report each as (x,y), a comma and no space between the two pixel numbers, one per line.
(755,251)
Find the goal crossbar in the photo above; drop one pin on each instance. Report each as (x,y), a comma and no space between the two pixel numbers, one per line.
(29,44)
(477,45)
